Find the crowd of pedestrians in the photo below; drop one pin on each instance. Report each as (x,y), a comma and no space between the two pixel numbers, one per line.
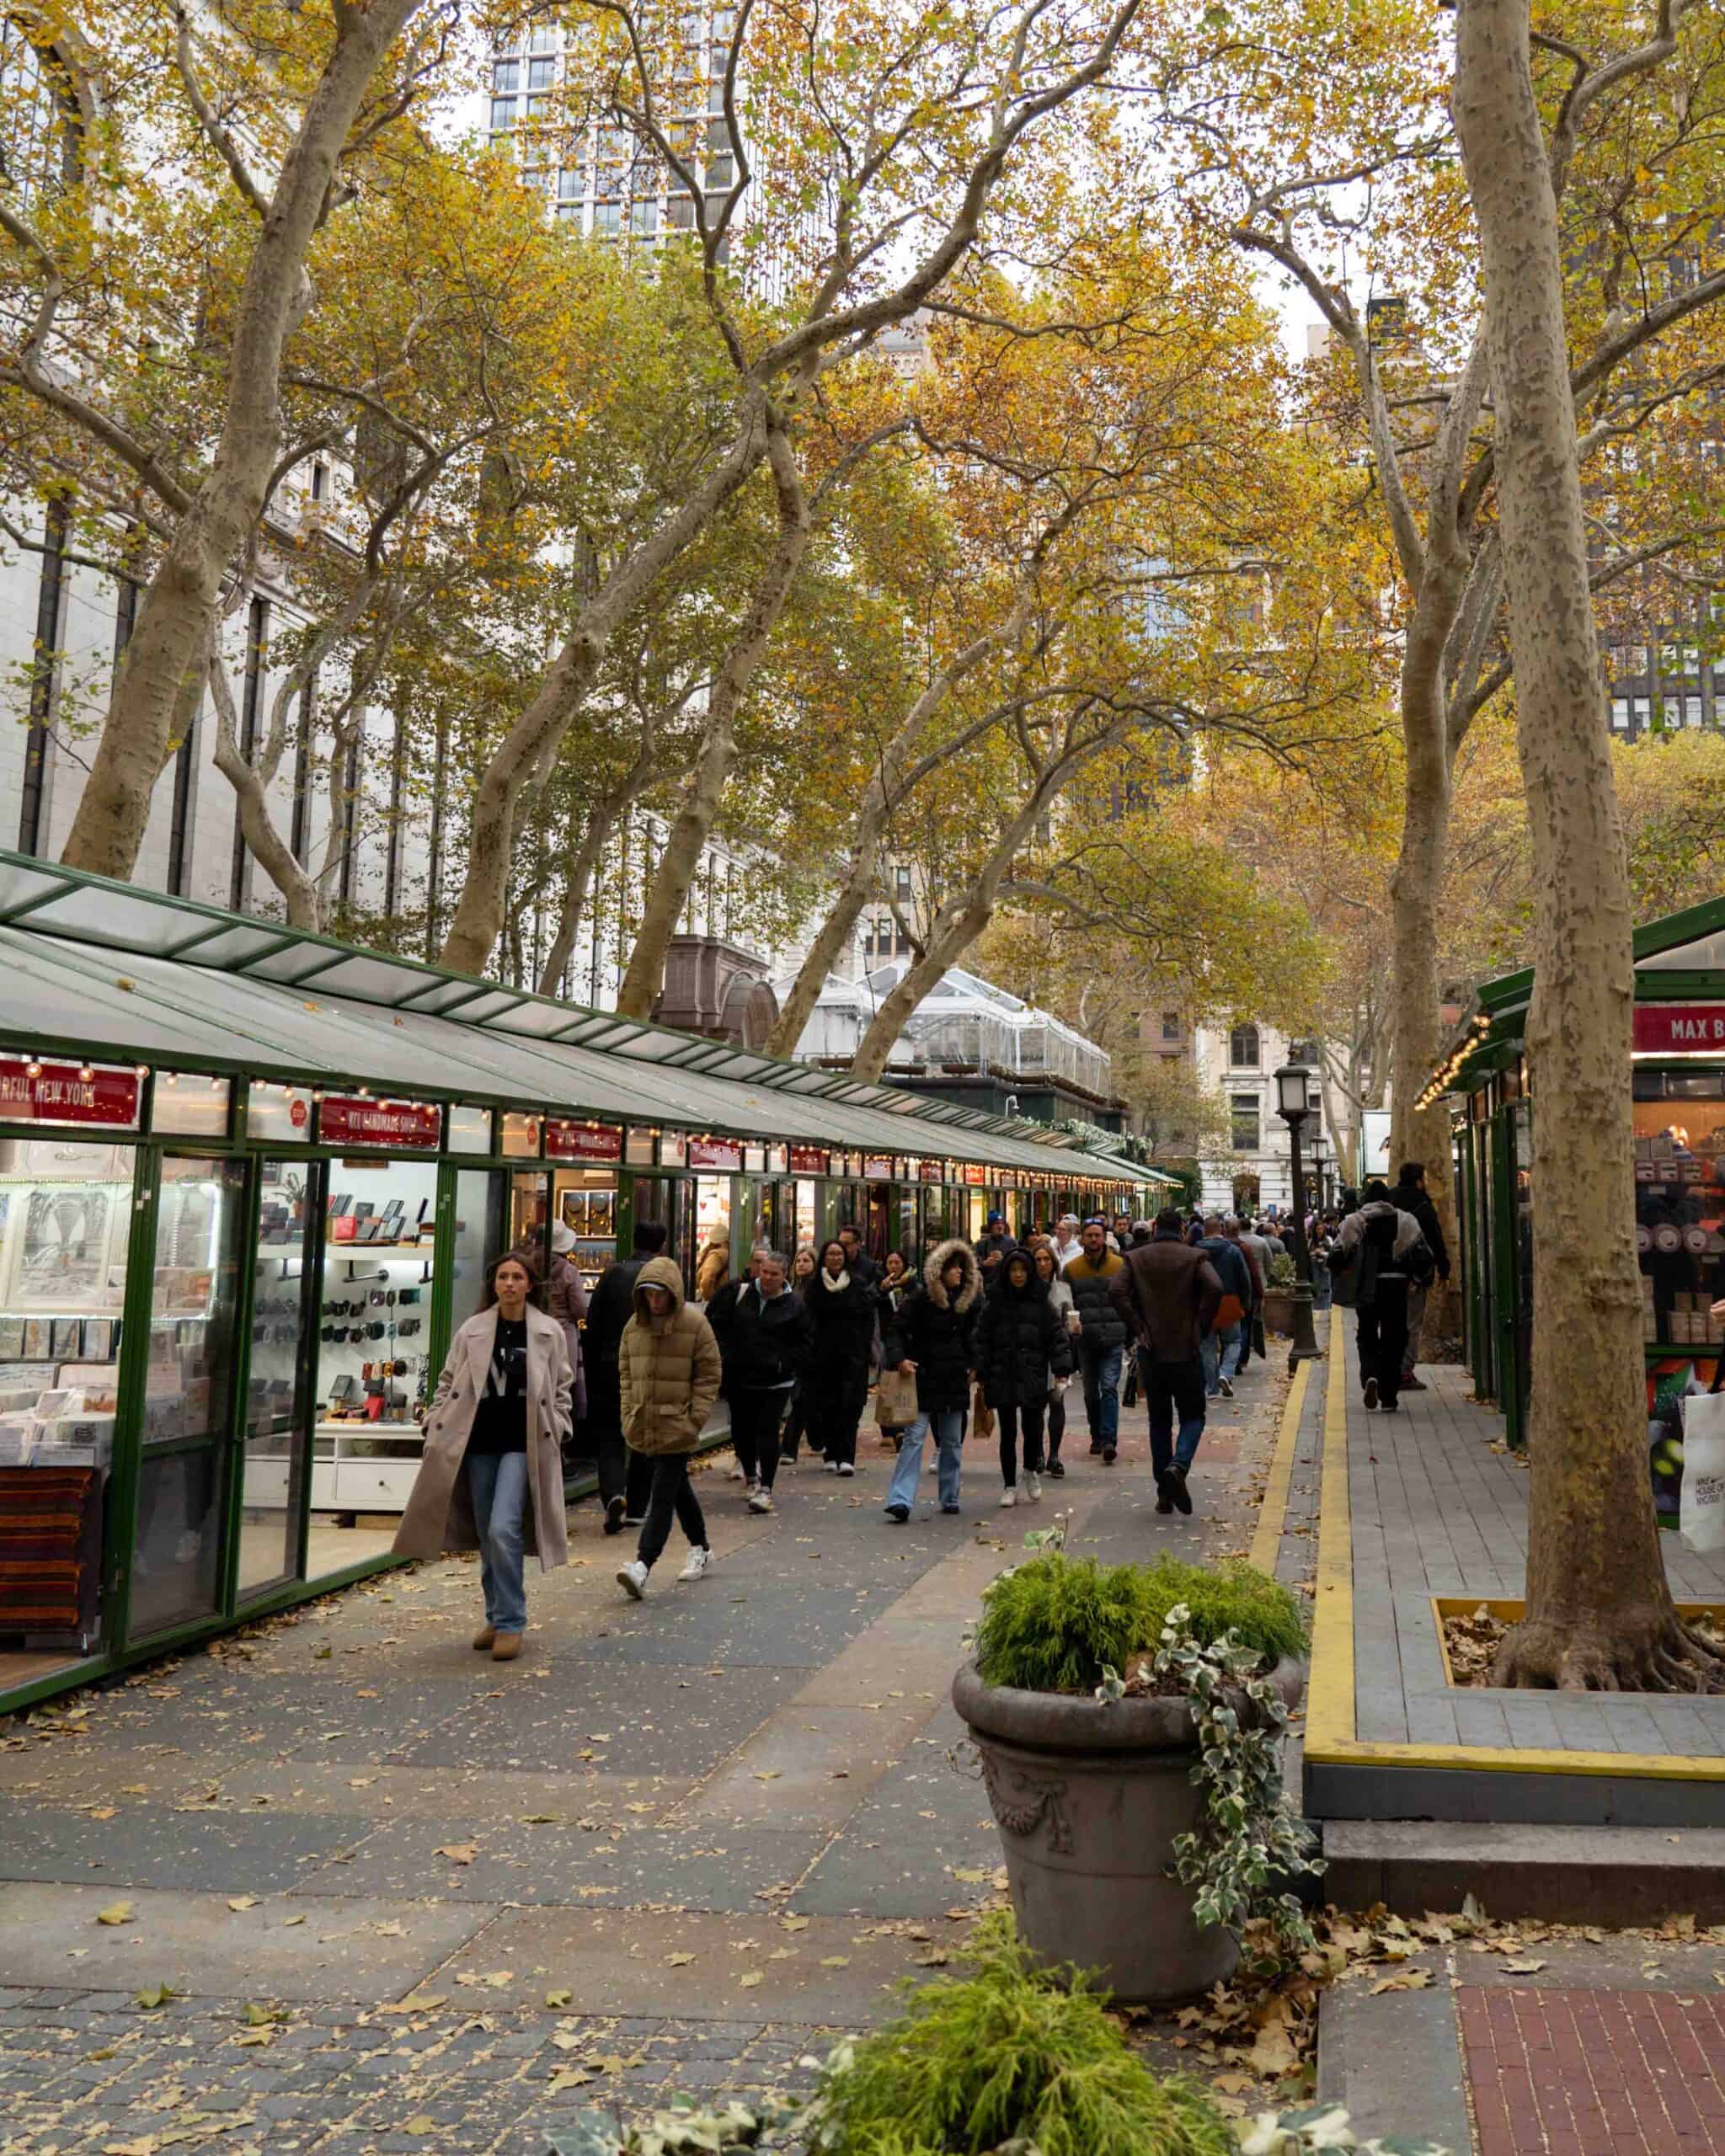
(985,1340)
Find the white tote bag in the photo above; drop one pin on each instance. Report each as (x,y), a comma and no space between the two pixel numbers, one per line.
(1702,1520)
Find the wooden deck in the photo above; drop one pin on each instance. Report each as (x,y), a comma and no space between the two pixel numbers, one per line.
(1425,1503)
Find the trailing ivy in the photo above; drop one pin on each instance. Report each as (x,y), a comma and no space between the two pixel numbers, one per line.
(1249,1835)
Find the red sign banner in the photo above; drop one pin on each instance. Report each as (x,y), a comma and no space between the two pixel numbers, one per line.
(808,1159)
(583,1141)
(1680,1027)
(974,1173)
(344,1119)
(877,1168)
(34,1091)
(713,1154)
(934,1171)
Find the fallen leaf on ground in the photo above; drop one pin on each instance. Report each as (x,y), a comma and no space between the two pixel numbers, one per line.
(558,1997)
(793,1924)
(420,2122)
(1408,1980)
(420,2002)
(749,1982)
(287,1923)
(242,1901)
(116,1913)
(156,1995)
(568,2077)
(257,2017)
(459,1852)
(678,1960)
(834,1960)
(1522,1968)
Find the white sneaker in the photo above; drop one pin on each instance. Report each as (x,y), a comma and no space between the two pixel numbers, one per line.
(760,1499)
(1033,1489)
(1009,1497)
(633,1580)
(699,1564)
(832,1467)
(734,1472)
(933,1466)
(846,1468)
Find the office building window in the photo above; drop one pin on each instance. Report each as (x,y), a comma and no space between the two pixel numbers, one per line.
(1243,1115)
(1171,1025)
(1243,1052)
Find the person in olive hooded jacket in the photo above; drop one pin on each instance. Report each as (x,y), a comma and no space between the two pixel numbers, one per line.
(668,1363)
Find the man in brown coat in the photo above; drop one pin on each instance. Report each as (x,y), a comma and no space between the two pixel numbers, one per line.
(1169,1293)
(668,1367)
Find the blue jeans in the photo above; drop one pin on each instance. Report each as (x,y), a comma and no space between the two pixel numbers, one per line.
(497,1482)
(1172,1390)
(949,1434)
(1221,1358)
(1102,1392)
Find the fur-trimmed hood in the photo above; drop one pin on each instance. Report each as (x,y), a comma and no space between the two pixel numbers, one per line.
(938,1259)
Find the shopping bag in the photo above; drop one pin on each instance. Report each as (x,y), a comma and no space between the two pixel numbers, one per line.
(981,1415)
(1701,1522)
(1229,1312)
(895,1401)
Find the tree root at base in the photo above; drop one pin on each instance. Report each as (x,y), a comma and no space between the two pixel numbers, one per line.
(1660,1654)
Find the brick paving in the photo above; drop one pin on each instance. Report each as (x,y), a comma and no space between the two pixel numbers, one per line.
(1561,2072)
(457,1884)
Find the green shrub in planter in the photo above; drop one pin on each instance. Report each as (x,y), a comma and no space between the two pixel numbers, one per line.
(1283,1272)
(1003,2057)
(1056,1623)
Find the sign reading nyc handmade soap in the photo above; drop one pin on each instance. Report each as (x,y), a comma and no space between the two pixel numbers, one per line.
(33,1090)
(343,1119)
(1675,1026)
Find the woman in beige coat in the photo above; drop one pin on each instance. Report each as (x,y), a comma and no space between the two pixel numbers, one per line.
(668,1365)
(491,1476)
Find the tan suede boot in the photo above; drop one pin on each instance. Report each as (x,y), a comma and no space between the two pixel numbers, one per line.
(484,1637)
(506,1646)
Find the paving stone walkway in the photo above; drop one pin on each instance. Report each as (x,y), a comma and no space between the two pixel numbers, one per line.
(678,1845)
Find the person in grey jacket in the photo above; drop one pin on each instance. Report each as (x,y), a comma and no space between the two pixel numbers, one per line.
(1374,1260)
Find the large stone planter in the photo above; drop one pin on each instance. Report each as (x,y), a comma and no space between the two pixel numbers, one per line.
(1089,1799)
(1279,1311)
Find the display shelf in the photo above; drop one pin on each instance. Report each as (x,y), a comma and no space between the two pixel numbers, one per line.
(345,1479)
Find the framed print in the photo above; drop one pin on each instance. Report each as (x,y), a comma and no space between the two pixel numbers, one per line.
(60,1252)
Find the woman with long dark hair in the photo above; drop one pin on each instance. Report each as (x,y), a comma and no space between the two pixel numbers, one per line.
(835,1382)
(490,1478)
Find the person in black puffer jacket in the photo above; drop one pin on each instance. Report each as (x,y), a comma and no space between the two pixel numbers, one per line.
(1021,1346)
(933,1337)
(835,1382)
(764,1337)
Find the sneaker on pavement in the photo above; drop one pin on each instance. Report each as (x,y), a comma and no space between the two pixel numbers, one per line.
(1033,1489)
(699,1564)
(832,1467)
(1177,1490)
(1009,1496)
(846,1468)
(1411,1383)
(614,1510)
(951,1509)
(897,1514)
(751,1485)
(1108,1455)
(761,1499)
(1371,1392)
(734,1472)
(1165,1504)
(1057,1467)
(633,1580)
(634,1519)
(1227,1387)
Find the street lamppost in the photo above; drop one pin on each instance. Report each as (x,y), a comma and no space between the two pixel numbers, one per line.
(1320,1172)
(1293,1105)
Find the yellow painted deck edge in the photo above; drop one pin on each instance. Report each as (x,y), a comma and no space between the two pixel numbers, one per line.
(1330,1739)
(1272,1514)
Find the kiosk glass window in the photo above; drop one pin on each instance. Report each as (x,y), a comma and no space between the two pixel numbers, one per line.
(808,1211)
(670,1199)
(374,1367)
(65,1209)
(276,1459)
(585,1199)
(1680,1205)
(713,1212)
(176,1570)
